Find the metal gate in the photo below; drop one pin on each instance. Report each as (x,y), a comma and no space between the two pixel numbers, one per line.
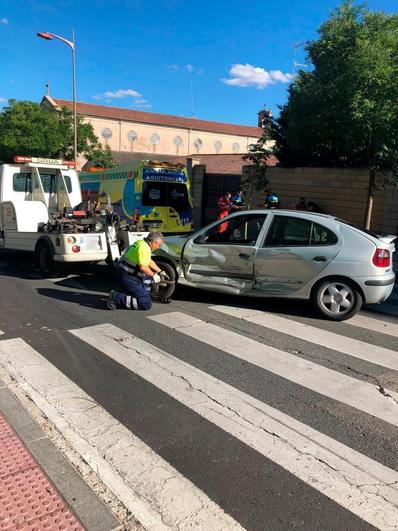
(214,186)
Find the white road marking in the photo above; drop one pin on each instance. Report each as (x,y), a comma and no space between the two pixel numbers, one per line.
(156,493)
(361,485)
(346,345)
(353,392)
(376,325)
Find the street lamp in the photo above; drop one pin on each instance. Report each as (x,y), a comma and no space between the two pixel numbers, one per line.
(49,37)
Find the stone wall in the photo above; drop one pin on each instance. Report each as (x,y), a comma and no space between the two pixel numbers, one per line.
(340,192)
(196,174)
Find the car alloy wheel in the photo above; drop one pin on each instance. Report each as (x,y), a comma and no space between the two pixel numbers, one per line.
(337,299)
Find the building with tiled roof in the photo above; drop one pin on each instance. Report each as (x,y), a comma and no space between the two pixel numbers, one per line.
(131,131)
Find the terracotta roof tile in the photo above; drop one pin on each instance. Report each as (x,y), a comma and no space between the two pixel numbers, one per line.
(117,113)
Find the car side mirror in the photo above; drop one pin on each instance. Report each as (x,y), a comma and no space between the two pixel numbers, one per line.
(202,238)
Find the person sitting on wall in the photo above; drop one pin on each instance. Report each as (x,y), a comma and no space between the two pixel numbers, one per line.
(301,205)
(314,207)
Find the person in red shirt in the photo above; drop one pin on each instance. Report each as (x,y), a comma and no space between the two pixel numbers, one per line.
(224,205)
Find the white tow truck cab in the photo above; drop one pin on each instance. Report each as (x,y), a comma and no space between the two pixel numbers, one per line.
(37,200)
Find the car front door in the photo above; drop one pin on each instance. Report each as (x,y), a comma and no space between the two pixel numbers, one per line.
(222,256)
(295,250)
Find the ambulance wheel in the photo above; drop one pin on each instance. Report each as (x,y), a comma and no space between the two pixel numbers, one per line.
(164,291)
(44,258)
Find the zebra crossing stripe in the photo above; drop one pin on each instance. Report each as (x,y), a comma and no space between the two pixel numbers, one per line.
(144,482)
(340,387)
(346,345)
(376,325)
(341,473)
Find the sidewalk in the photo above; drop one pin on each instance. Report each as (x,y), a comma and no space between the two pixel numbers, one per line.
(27,498)
(39,487)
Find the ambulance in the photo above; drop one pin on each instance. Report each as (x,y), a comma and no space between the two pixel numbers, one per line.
(158,193)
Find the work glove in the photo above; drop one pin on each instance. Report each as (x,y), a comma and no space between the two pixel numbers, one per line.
(163,275)
(156,278)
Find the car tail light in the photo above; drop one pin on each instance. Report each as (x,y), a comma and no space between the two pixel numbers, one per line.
(381,258)
(76,249)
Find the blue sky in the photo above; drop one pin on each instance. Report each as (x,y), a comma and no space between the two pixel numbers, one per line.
(232,56)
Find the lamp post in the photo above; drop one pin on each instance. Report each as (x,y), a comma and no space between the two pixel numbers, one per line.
(49,37)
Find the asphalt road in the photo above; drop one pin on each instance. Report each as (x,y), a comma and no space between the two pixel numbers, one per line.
(339,387)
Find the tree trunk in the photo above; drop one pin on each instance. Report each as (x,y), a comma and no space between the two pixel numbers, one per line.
(249,203)
(369,206)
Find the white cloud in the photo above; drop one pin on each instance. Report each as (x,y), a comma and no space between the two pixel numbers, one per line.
(2,100)
(4,20)
(121,93)
(173,68)
(254,76)
(144,104)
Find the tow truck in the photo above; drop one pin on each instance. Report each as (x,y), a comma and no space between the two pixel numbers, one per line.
(41,211)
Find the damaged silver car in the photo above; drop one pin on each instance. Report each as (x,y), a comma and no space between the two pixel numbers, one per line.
(285,254)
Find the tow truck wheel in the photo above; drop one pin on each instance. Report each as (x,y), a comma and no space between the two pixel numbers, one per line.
(44,258)
(164,291)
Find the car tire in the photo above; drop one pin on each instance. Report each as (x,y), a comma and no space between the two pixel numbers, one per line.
(44,259)
(164,291)
(337,299)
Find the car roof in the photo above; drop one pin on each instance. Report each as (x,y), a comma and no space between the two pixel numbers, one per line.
(300,213)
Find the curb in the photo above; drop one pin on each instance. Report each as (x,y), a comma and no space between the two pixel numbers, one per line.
(77,495)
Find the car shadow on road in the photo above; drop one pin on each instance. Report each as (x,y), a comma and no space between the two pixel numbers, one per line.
(81,298)
(290,307)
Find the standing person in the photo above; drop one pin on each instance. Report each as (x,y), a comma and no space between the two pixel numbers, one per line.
(135,217)
(137,271)
(224,205)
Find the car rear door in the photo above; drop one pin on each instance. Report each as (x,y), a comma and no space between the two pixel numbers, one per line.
(295,250)
(223,255)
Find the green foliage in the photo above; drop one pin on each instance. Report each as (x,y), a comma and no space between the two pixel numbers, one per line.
(102,158)
(27,128)
(256,177)
(345,111)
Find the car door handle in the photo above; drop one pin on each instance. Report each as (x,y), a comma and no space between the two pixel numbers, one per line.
(244,256)
(319,259)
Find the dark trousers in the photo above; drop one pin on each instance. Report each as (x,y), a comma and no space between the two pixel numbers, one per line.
(135,292)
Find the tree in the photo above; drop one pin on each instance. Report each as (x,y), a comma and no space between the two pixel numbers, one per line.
(27,128)
(101,157)
(345,111)
(258,155)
